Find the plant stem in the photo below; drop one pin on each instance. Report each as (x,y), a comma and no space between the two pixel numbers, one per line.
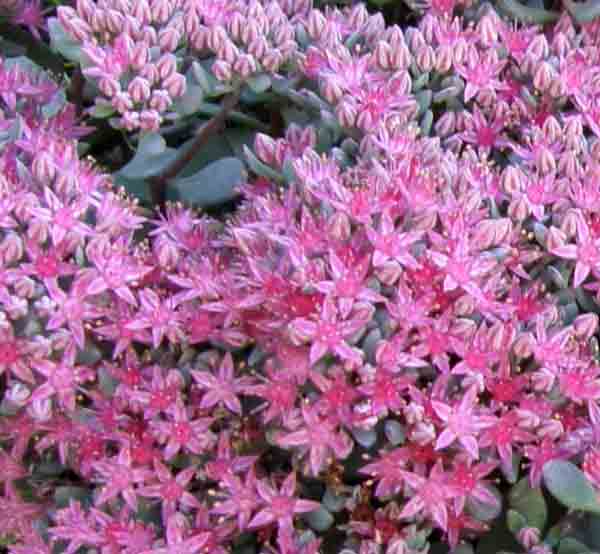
(159,183)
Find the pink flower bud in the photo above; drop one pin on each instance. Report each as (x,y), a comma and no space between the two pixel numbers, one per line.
(529,537)
(217,37)
(245,66)
(25,287)
(235,25)
(43,168)
(139,56)
(346,113)
(561,45)
(425,58)
(161,11)
(169,39)
(11,248)
(166,66)
(258,48)
(585,325)
(160,100)
(523,346)
(538,47)
(139,90)
(149,35)
(570,166)
(543,76)
(382,55)
(543,380)
(114,21)
(272,60)
(315,24)
(423,433)
(228,52)
(444,58)
(166,252)
(150,73)
(149,120)
(175,85)
(265,146)
(554,238)
(512,180)
(332,92)
(122,102)
(284,36)
(591,466)
(85,8)
(199,38)
(545,161)
(552,429)
(78,29)
(250,32)
(365,120)
(141,11)
(518,209)
(222,70)
(130,121)
(339,226)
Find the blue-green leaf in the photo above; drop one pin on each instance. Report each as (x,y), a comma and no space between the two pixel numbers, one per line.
(569,486)
(151,158)
(213,185)
(61,41)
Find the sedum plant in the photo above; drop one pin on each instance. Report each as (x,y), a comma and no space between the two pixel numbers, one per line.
(388,345)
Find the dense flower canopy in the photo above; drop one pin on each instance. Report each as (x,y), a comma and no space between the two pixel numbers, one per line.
(384,336)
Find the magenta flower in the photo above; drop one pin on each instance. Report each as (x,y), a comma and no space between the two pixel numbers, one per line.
(280,506)
(63,379)
(320,437)
(224,388)
(461,423)
(171,490)
(328,334)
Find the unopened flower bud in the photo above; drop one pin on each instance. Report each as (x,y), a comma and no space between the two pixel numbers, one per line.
(545,161)
(315,24)
(11,248)
(40,410)
(332,91)
(423,433)
(272,60)
(130,120)
(169,38)
(529,537)
(24,287)
(139,90)
(161,11)
(114,21)
(175,85)
(425,58)
(265,146)
(166,66)
(160,100)
(488,30)
(518,209)
(382,55)
(236,24)
(245,66)
(346,113)
(523,346)
(591,466)
(139,56)
(543,77)
(141,11)
(167,253)
(216,38)
(122,102)
(149,120)
(552,429)
(228,52)
(258,47)
(250,32)
(43,168)
(543,380)
(512,180)
(444,58)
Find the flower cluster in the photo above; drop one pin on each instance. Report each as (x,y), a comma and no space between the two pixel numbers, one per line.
(381,339)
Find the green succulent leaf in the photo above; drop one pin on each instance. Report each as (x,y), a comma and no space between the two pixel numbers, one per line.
(213,185)
(530,503)
(151,158)
(570,487)
(569,545)
(61,41)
